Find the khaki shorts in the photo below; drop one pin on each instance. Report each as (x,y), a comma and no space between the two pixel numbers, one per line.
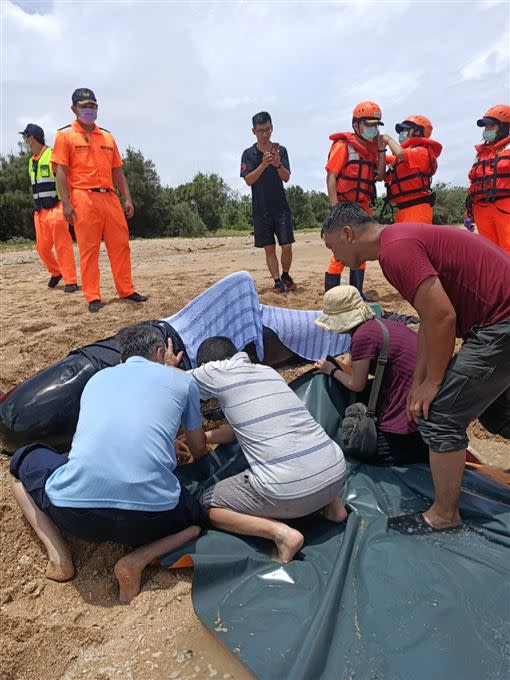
(237,493)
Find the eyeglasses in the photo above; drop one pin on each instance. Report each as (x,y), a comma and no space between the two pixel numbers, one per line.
(264,131)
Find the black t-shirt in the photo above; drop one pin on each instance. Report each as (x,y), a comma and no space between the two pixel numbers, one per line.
(267,194)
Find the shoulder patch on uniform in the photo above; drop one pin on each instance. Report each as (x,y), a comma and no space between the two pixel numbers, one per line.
(63,128)
(105,130)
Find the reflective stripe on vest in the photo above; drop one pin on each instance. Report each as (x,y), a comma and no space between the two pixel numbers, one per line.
(490,178)
(356,181)
(43,181)
(406,185)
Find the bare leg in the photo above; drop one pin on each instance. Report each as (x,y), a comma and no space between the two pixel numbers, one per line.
(272,261)
(128,569)
(287,257)
(335,511)
(60,563)
(288,541)
(447,470)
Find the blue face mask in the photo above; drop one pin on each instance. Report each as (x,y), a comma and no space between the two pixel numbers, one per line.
(402,136)
(369,133)
(489,135)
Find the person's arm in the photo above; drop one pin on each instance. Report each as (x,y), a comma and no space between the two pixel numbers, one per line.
(355,381)
(394,147)
(254,175)
(222,435)
(281,163)
(63,191)
(121,183)
(197,442)
(381,157)
(435,346)
(331,189)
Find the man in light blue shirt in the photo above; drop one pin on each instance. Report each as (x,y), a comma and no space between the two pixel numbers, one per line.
(118,483)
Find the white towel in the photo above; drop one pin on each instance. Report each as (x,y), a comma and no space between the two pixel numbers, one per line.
(229,308)
(297,331)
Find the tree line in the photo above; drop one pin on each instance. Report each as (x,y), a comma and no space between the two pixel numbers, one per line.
(202,206)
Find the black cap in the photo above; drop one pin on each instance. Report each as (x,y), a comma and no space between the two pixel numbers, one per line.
(482,122)
(82,95)
(34,131)
(406,125)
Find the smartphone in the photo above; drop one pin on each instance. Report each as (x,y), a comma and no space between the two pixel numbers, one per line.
(275,147)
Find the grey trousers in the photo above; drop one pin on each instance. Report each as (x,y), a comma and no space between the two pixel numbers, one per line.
(476,385)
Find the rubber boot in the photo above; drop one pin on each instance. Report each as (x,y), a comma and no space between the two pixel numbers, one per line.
(331,280)
(356,277)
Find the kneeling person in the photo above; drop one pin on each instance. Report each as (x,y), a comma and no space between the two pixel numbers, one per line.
(398,440)
(118,483)
(295,469)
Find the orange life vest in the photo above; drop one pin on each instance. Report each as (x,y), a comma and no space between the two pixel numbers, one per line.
(356,180)
(490,174)
(406,186)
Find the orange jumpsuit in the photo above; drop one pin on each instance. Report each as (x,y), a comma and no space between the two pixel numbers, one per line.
(347,149)
(90,158)
(408,180)
(489,192)
(51,228)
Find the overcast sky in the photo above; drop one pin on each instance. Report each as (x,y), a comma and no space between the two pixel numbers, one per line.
(180,81)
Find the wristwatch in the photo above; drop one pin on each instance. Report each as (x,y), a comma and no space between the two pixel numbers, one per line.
(333,371)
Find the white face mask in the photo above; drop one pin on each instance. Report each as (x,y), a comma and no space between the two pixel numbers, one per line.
(402,136)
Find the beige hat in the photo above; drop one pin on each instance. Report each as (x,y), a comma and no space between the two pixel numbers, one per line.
(344,309)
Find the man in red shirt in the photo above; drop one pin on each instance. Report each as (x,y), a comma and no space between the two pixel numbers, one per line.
(458,284)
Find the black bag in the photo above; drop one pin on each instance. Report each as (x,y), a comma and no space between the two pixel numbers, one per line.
(359,432)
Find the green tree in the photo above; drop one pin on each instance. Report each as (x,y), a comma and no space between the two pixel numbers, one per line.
(299,204)
(208,194)
(450,204)
(146,192)
(185,221)
(16,203)
(319,204)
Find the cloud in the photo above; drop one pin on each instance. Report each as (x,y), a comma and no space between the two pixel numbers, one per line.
(493,60)
(181,81)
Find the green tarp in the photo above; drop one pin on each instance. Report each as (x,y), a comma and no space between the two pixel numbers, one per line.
(361,602)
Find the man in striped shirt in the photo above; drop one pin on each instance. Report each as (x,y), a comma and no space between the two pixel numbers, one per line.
(295,469)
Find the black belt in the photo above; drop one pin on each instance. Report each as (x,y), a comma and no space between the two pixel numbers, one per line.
(101,191)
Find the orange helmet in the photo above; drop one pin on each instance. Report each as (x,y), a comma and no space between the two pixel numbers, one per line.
(368,111)
(413,121)
(499,113)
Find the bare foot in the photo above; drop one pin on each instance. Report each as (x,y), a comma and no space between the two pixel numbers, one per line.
(288,542)
(335,511)
(438,521)
(129,575)
(62,570)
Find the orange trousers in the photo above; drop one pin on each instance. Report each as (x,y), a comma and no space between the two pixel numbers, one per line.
(52,230)
(421,213)
(493,222)
(100,216)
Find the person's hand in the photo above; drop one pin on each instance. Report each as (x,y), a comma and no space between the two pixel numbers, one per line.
(382,142)
(276,158)
(129,209)
(172,359)
(267,159)
(182,452)
(69,211)
(419,400)
(324,366)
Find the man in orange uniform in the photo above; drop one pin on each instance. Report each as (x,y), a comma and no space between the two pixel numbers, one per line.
(408,178)
(355,162)
(488,199)
(88,164)
(51,228)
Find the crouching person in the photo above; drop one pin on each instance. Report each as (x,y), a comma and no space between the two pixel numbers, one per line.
(398,440)
(117,483)
(295,469)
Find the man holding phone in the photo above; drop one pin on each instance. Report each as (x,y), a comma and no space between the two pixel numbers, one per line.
(264,167)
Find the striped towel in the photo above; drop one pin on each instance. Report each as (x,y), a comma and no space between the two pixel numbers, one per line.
(230,308)
(297,331)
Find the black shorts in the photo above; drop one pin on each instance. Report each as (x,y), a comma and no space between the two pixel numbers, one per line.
(34,464)
(476,385)
(269,225)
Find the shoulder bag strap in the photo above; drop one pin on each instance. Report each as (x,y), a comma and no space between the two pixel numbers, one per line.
(379,371)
